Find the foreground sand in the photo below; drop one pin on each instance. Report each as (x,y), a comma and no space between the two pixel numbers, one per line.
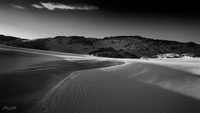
(69,84)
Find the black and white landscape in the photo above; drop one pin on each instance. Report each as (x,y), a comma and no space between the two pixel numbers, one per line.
(99,56)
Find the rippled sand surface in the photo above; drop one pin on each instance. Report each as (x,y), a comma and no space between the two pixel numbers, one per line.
(98,85)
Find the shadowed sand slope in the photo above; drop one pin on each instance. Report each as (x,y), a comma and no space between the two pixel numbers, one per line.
(14,60)
(25,78)
(131,88)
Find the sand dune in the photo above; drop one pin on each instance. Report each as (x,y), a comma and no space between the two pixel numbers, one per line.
(50,84)
(25,77)
(135,87)
(12,61)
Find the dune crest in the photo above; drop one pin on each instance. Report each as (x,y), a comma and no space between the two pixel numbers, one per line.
(68,84)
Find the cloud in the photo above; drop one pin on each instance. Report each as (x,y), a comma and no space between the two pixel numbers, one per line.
(18,7)
(53,6)
(37,6)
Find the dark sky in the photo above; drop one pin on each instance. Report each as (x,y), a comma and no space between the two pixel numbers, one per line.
(171,20)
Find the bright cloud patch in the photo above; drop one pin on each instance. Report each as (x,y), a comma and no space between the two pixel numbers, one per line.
(53,6)
(37,6)
(18,7)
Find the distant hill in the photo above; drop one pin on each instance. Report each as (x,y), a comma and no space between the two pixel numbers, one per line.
(7,38)
(115,46)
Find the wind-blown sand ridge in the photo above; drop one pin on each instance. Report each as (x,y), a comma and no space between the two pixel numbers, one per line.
(111,90)
(92,84)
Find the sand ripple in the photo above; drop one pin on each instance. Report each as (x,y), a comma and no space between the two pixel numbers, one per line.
(97,91)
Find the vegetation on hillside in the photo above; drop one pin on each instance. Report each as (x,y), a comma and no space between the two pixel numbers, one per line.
(114,46)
